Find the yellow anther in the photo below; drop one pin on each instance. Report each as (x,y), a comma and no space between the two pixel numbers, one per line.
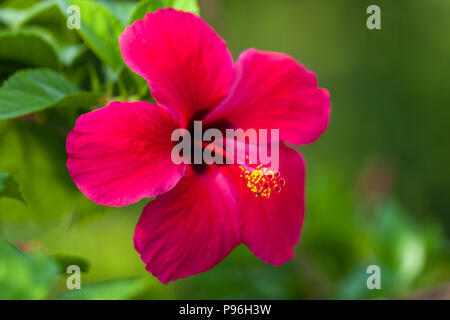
(262,182)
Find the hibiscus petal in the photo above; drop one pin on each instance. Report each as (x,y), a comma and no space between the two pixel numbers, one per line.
(270,227)
(273,91)
(190,228)
(121,153)
(186,64)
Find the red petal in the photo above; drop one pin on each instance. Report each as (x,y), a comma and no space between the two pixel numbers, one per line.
(270,227)
(273,91)
(186,64)
(121,153)
(190,228)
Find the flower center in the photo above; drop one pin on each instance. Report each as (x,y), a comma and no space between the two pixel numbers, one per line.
(198,145)
(262,181)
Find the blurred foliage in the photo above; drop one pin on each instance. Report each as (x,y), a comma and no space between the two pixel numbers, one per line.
(116,289)
(64,261)
(377,181)
(33,90)
(9,188)
(24,276)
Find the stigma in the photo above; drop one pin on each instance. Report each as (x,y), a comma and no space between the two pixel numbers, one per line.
(261,181)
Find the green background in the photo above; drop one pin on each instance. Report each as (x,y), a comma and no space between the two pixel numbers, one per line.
(377,181)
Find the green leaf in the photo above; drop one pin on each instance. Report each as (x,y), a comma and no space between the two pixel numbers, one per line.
(9,188)
(18,4)
(34,90)
(117,289)
(184,5)
(65,260)
(27,49)
(50,18)
(25,276)
(146,6)
(100,29)
(122,9)
(67,53)
(15,18)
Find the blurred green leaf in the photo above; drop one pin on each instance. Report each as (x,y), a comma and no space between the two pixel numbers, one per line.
(27,49)
(65,260)
(9,188)
(51,19)
(122,9)
(116,289)
(399,242)
(185,5)
(146,6)
(18,4)
(25,276)
(33,147)
(100,29)
(67,53)
(33,90)
(15,18)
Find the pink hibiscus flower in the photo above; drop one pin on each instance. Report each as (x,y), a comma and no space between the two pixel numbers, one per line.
(121,153)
